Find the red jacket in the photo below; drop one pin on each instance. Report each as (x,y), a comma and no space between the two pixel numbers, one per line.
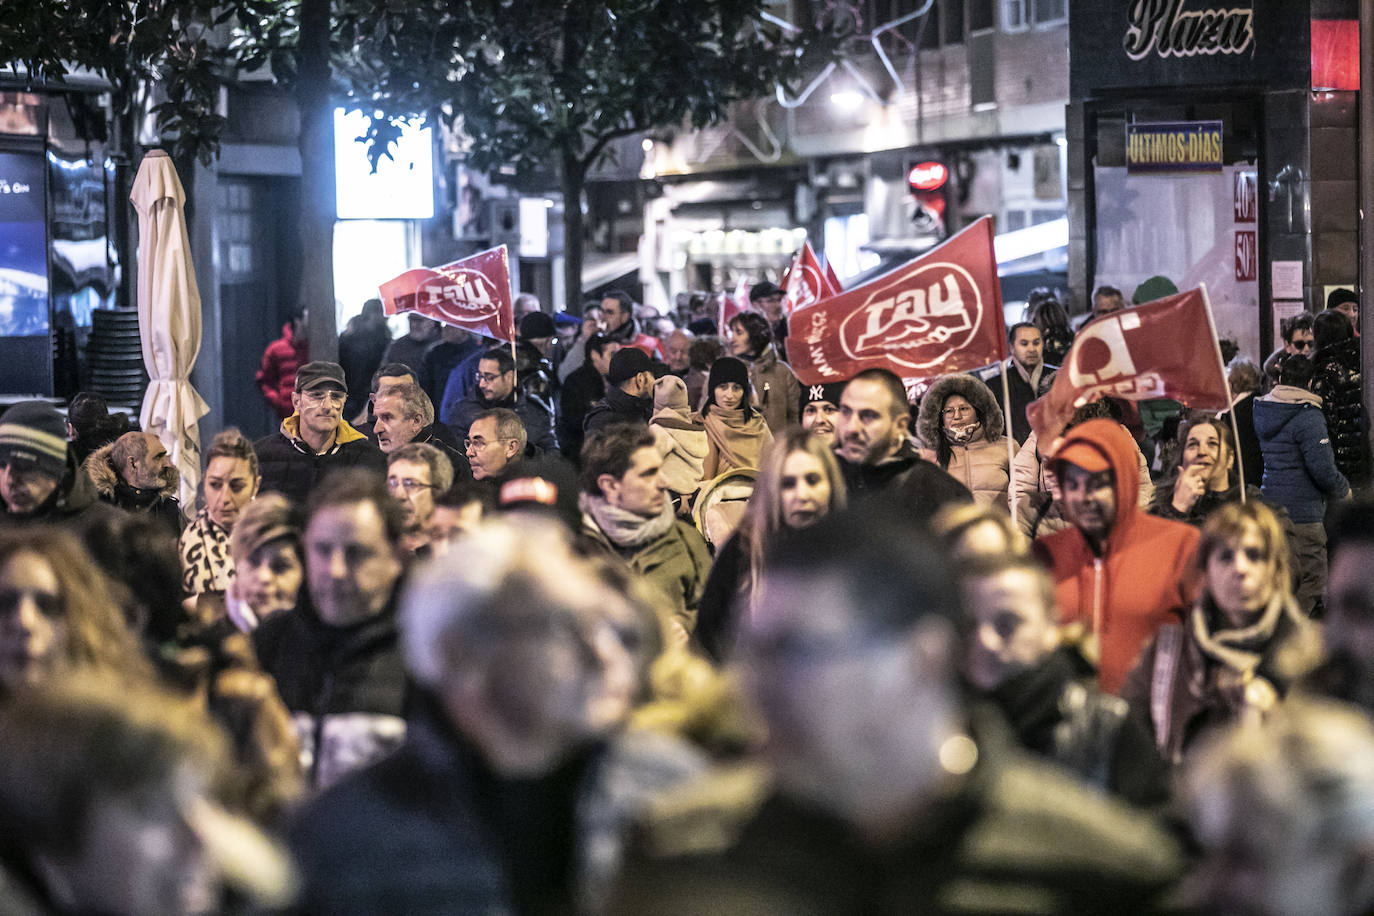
(277,377)
(1143,578)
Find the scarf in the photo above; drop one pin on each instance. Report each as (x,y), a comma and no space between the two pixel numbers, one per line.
(671,418)
(964,434)
(1241,649)
(624,528)
(738,442)
(207,565)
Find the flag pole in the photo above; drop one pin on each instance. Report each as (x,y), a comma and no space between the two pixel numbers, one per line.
(1221,364)
(1011,446)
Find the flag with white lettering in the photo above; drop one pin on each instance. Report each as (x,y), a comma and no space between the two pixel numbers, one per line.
(938,314)
(805,283)
(1165,349)
(472,293)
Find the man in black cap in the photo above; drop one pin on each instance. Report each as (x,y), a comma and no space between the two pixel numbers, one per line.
(766,297)
(39,481)
(630,393)
(316,438)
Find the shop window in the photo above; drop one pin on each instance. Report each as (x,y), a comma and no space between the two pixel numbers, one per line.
(954,22)
(980,16)
(1048,12)
(1015,15)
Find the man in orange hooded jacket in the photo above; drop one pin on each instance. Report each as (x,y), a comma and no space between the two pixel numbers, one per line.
(1118,572)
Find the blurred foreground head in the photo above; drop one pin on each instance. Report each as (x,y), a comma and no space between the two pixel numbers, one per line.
(106,796)
(850,656)
(531,651)
(1284,813)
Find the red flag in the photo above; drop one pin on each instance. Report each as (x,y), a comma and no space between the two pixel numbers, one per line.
(1166,349)
(472,293)
(832,280)
(805,283)
(732,305)
(937,314)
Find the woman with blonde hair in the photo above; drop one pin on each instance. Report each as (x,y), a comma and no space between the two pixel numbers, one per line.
(58,613)
(799,483)
(1240,646)
(230,482)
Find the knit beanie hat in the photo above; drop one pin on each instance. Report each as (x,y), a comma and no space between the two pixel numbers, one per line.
(670,393)
(33,436)
(830,391)
(627,363)
(725,370)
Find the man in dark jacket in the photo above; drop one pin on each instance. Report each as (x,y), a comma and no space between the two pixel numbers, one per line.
(1336,380)
(876,453)
(133,473)
(335,657)
(39,479)
(455,345)
(497,387)
(403,414)
(1014,657)
(512,792)
(1300,472)
(889,794)
(629,392)
(1028,377)
(361,348)
(583,387)
(316,438)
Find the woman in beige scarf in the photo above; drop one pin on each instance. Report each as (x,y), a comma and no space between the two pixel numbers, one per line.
(735,430)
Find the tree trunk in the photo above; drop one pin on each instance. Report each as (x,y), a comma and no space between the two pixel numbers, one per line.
(573,176)
(318,206)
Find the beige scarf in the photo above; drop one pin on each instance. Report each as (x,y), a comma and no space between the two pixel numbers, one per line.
(734,441)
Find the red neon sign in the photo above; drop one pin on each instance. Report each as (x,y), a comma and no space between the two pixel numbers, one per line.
(927,176)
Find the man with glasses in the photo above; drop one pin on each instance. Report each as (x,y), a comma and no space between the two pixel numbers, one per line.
(316,438)
(495,443)
(40,480)
(415,475)
(497,388)
(889,794)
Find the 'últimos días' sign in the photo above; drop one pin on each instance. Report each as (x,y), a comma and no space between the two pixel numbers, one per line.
(1174,146)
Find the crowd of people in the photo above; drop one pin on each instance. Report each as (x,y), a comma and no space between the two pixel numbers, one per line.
(622,618)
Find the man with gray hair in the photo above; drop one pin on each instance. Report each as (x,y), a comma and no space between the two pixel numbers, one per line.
(134,473)
(402,414)
(416,474)
(513,789)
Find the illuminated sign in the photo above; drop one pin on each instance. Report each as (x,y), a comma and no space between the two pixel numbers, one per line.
(1174,146)
(927,176)
(1168,29)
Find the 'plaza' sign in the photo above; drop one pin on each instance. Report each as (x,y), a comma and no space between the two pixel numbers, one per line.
(1174,146)
(1166,28)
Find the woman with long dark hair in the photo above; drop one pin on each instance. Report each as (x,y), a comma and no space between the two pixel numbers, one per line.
(776,389)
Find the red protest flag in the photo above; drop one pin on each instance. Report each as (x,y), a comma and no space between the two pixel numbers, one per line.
(732,305)
(1166,349)
(805,283)
(472,293)
(937,314)
(832,280)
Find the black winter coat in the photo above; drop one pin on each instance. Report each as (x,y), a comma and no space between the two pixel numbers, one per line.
(618,407)
(291,468)
(1336,379)
(583,387)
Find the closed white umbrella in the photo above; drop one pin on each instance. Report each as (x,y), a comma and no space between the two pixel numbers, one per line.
(168,318)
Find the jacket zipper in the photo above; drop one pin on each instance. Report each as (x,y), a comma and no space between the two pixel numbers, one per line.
(1097,595)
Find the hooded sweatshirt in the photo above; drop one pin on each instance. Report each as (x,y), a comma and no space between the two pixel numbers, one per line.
(680,438)
(1142,578)
(1300,471)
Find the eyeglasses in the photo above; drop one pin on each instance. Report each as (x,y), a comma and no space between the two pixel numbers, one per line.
(319,395)
(479,442)
(489,377)
(957,411)
(1302,344)
(408,485)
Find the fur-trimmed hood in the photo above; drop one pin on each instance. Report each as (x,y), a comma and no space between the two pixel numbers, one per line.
(101,470)
(929,421)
